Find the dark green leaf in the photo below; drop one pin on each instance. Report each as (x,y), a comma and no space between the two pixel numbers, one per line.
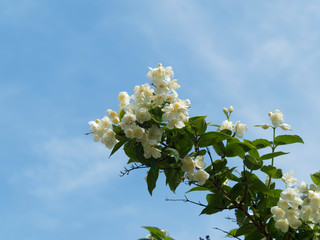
(272,155)
(287,139)
(173,178)
(210,138)
(198,124)
(198,189)
(117,130)
(172,152)
(151,180)
(254,235)
(261,143)
(272,171)
(234,149)
(315,177)
(219,148)
(116,147)
(251,163)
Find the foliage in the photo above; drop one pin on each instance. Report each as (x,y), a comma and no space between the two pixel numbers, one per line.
(155,132)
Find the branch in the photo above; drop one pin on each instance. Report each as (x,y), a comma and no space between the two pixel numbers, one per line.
(210,156)
(186,200)
(228,234)
(133,166)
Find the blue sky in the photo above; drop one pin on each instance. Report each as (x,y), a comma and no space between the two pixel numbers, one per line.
(63,63)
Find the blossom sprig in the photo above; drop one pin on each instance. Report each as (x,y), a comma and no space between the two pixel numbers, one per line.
(135,111)
(297,205)
(276,119)
(238,128)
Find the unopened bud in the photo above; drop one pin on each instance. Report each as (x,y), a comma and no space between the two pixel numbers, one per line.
(225,110)
(265,125)
(285,126)
(270,114)
(230,109)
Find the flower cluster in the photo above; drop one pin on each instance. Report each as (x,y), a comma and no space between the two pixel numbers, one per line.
(296,205)
(135,111)
(276,119)
(190,164)
(238,128)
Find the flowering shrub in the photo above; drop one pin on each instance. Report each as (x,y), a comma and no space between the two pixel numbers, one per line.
(154,128)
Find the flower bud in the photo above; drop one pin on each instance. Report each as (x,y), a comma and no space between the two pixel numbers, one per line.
(230,109)
(285,126)
(265,126)
(270,114)
(225,110)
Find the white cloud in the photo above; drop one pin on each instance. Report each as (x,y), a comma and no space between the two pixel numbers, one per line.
(68,165)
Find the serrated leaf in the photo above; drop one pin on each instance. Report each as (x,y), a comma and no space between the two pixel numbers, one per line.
(287,139)
(315,177)
(210,138)
(272,155)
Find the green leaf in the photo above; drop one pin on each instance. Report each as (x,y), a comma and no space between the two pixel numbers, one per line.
(210,138)
(251,163)
(274,192)
(157,233)
(257,186)
(237,149)
(122,112)
(272,155)
(156,113)
(117,130)
(254,236)
(236,190)
(287,139)
(315,177)
(199,188)
(219,148)
(182,142)
(116,147)
(261,143)
(152,178)
(172,152)
(199,124)
(173,178)
(272,171)
(216,203)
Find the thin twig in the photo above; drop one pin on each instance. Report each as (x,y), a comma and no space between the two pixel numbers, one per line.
(133,166)
(210,156)
(228,234)
(186,200)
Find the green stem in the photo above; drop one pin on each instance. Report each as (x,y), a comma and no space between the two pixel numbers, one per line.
(273,148)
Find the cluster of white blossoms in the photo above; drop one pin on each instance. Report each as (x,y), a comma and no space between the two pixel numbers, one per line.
(277,119)
(135,110)
(238,128)
(296,205)
(189,165)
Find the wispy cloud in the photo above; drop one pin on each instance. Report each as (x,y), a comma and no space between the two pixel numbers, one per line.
(68,165)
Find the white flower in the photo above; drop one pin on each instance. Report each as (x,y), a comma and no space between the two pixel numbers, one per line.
(303,187)
(276,118)
(289,179)
(289,194)
(277,212)
(226,125)
(240,129)
(282,224)
(124,97)
(198,162)
(187,164)
(154,135)
(283,204)
(143,115)
(201,176)
(112,114)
